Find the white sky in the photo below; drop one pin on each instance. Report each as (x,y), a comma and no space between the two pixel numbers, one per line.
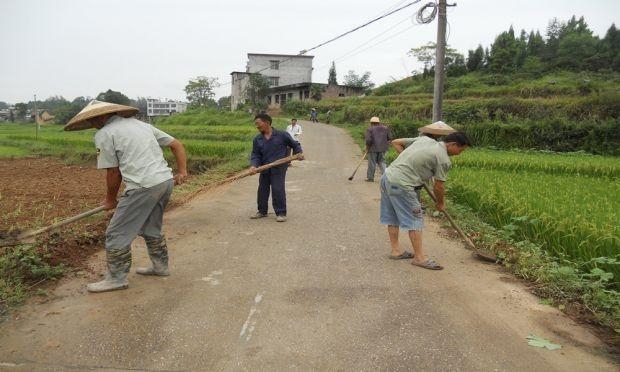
(152,48)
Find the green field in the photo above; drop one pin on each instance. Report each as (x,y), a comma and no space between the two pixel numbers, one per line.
(567,203)
(210,138)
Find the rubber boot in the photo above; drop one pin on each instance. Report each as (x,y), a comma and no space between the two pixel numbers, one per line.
(158,253)
(119,262)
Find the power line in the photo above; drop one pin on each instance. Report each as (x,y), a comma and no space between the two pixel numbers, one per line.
(352,53)
(358,27)
(337,37)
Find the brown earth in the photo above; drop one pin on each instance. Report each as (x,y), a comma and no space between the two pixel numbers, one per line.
(37,192)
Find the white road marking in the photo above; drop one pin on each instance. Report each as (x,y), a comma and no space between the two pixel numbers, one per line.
(211,279)
(250,322)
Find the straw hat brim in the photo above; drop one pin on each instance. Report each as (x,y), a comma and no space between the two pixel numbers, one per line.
(438,128)
(81,120)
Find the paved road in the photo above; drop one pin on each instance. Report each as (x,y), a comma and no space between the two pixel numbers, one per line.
(314,293)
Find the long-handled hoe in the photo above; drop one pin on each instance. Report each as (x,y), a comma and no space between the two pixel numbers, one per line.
(358,165)
(487,256)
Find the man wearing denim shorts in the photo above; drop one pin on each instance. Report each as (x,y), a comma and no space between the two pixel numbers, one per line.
(424,159)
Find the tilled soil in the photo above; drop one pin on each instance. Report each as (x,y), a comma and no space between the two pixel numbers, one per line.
(37,192)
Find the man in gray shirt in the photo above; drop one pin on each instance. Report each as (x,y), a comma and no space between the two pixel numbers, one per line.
(130,151)
(377,142)
(423,159)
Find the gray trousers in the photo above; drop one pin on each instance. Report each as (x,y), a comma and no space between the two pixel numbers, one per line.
(139,212)
(375,159)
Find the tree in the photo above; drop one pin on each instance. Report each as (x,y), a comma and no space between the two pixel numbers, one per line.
(64,113)
(113,97)
(554,32)
(475,59)
(224,103)
(256,91)
(141,104)
(504,52)
(332,80)
(610,48)
(3,105)
(316,91)
(454,61)
(21,109)
(200,92)
(573,50)
(535,44)
(353,80)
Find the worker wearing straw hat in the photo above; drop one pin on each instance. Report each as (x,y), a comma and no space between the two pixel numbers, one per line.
(435,131)
(130,152)
(424,159)
(377,139)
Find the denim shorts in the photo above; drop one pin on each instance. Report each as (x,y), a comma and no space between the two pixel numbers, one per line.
(400,207)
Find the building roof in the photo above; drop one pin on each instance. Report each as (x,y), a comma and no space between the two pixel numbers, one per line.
(279,55)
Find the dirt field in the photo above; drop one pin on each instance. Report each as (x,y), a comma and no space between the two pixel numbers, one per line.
(36,192)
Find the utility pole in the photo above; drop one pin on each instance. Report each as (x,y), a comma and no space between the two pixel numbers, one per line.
(440,58)
(36,121)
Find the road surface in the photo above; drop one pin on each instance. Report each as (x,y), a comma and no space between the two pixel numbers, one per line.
(314,293)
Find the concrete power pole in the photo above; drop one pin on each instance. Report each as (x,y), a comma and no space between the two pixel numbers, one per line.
(440,58)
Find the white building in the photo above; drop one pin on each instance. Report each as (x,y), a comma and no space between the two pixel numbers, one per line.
(155,107)
(280,69)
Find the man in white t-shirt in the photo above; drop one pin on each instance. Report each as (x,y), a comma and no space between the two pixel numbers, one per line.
(131,151)
(294,130)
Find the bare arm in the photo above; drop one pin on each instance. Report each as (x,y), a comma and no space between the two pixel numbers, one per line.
(439,191)
(398,144)
(179,154)
(113,181)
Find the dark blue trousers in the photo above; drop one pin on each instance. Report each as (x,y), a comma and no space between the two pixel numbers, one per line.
(273,181)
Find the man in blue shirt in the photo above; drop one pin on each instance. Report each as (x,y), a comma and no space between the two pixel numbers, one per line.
(268,146)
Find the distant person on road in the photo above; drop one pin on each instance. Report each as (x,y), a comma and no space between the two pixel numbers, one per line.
(268,146)
(313,115)
(377,142)
(131,152)
(400,208)
(294,130)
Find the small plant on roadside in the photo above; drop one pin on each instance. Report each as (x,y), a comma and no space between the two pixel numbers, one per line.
(22,267)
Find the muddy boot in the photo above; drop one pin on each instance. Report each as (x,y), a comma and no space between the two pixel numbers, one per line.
(158,252)
(119,262)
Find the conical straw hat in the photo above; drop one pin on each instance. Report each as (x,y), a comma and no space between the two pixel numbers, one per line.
(98,108)
(437,128)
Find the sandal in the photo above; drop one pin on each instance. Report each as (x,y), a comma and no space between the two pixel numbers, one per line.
(402,256)
(428,264)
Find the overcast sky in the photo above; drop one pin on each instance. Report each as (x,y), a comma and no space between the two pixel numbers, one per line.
(152,48)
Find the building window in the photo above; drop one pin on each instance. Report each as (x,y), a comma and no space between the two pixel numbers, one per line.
(290,96)
(269,100)
(277,98)
(306,94)
(274,81)
(274,65)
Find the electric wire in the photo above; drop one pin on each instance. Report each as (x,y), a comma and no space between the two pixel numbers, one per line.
(419,17)
(303,52)
(342,57)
